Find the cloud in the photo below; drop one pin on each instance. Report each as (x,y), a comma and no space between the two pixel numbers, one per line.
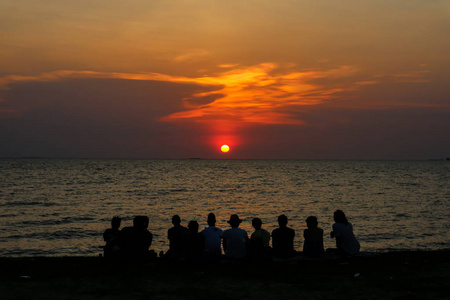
(412,77)
(192,55)
(228,66)
(368,82)
(259,94)
(262,94)
(264,111)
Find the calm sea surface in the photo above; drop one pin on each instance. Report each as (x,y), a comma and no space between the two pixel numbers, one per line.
(58,207)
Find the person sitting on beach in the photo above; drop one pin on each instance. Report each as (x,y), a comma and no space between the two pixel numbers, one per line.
(346,242)
(235,239)
(283,239)
(313,245)
(260,233)
(259,243)
(135,241)
(111,237)
(177,236)
(195,245)
(211,235)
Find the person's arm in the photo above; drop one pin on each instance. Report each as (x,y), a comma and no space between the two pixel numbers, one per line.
(224,242)
(274,240)
(150,240)
(336,233)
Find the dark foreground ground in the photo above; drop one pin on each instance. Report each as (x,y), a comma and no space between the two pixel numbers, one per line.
(395,275)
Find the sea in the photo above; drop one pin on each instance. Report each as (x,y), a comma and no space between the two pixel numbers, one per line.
(60,207)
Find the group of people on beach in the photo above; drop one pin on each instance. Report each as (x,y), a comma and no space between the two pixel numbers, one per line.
(187,243)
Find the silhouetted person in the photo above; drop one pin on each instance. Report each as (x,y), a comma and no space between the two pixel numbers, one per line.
(135,241)
(212,237)
(283,239)
(177,236)
(111,237)
(195,242)
(235,239)
(313,245)
(258,245)
(346,242)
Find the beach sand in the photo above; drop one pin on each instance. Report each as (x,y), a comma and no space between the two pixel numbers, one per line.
(394,275)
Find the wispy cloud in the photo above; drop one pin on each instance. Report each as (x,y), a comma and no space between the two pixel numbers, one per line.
(192,55)
(412,77)
(262,94)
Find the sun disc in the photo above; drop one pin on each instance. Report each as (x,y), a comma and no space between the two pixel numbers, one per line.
(225,148)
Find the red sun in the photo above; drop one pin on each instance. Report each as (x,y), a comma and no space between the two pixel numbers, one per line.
(225,148)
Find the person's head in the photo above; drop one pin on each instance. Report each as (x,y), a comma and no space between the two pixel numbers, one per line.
(257,223)
(234,221)
(193,226)
(339,217)
(140,222)
(311,222)
(115,222)
(211,219)
(176,220)
(282,221)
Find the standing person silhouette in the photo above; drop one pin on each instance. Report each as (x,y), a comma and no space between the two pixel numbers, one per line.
(283,239)
(212,236)
(235,239)
(346,242)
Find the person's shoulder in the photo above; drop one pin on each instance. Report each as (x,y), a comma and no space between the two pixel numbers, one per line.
(212,229)
(342,225)
(126,230)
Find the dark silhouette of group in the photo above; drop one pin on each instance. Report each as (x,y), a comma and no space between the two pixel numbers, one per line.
(130,243)
(188,244)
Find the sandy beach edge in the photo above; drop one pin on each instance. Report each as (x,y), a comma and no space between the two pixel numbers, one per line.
(390,275)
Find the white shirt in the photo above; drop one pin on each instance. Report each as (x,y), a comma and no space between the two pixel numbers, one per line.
(349,242)
(235,239)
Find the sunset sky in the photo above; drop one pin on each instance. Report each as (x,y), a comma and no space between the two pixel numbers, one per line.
(281,79)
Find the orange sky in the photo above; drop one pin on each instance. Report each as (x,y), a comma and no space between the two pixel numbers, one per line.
(273,79)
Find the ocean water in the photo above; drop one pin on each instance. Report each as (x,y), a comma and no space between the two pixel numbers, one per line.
(59,207)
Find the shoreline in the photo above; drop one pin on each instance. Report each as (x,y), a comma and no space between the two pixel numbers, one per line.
(390,275)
